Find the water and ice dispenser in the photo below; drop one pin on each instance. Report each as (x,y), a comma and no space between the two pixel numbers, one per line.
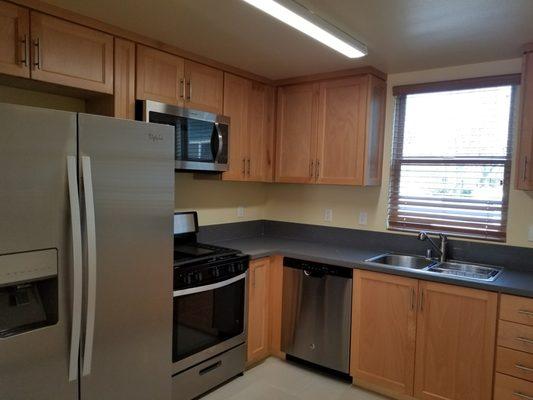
(28,291)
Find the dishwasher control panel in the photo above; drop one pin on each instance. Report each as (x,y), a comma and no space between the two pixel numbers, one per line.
(318,268)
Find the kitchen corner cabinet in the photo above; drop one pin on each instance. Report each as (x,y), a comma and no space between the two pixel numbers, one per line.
(14,40)
(384,331)
(72,55)
(331,132)
(524,168)
(250,105)
(258,327)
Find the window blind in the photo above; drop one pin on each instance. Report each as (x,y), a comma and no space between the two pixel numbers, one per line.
(451,159)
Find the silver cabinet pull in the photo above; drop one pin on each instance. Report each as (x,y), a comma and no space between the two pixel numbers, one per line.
(244,166)
(189,92)
(317,168)
(75,225)
(422,301)
(311,169)
(522,396)
(525,312)
(249,162)
(524,340)
(90,227)
(37,54)
(182,88)
(24,43)
(412,299)
(523,368)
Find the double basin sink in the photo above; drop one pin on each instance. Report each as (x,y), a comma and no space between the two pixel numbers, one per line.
(454,269)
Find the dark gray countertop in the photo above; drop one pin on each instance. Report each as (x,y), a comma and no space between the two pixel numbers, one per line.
(509,281)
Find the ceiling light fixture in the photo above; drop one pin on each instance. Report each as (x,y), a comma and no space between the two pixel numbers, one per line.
(299,17)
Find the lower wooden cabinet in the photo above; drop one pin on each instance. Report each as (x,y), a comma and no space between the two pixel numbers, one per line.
(258,326)
(509,388)
(452,356)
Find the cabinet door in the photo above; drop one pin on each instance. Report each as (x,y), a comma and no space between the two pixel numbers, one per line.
(296,133)
(14,40)
(375,130)
(124,99)
(341,131)
(71,55)
(455,343)
(204,87)
(235,107)
(159,76)
(258,310)
(384,331)
(260,134)
(524,170)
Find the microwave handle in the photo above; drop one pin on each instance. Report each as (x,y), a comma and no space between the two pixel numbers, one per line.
(218,133)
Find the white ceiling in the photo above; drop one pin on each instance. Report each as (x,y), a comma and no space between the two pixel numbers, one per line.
(402,35)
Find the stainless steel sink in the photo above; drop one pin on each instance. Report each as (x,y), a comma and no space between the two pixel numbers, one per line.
(403,261)
(454,269)
(469,271)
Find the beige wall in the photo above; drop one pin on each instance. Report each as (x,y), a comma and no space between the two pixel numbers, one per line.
(306,203)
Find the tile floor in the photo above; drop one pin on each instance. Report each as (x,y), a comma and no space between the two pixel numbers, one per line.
(279,380)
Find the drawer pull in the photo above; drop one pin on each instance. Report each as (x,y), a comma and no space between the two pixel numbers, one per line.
(523,368)
(522,396)
(525,340)
(525,312)
(213,367)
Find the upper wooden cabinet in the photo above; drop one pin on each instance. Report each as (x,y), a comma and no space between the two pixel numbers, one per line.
(250,105)
(171,79)
(384,331)
(72,55)
(14,40)
(456,331)
(124,79)
(524,161)
(331,132)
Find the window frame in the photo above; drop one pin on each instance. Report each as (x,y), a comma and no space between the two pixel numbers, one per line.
(464,229)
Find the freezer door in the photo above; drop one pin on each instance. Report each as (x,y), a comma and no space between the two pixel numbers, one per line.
(127,170)
(35,254)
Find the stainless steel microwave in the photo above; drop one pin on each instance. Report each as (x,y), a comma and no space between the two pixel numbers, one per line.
(201,137)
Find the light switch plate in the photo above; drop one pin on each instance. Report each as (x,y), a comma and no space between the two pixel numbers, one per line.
(328,215)
(363,218)
(530,234)
(240,211)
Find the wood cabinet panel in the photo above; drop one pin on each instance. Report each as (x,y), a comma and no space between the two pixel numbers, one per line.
(341,132)
(515,336)
(124,80)
(455,343)
(160,76)
(516,309)
(14,40)
(514,363)
(375,130)
(71,55)
(258,342)
(276,296)
(524,169)
(296,133)
(384,331)
(509,388)
(203,87)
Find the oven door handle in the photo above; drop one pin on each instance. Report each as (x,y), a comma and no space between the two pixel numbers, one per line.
(206,288)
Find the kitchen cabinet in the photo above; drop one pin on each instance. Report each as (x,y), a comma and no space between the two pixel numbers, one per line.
(258,327)
(72,55)
(331,132)
(456,330)
(524,169)
(250,106)
(509,388)
(384,331)
(14,40)
(124,79)
(203,87)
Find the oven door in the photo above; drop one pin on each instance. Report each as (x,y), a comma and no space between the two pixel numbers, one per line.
(208,320)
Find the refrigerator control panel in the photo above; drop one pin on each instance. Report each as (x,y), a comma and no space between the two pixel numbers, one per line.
(28,266)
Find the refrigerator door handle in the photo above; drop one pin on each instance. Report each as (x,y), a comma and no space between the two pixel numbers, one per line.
(75,224)
(91,263)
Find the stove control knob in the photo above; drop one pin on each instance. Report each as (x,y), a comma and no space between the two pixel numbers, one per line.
(215,272)
(198,277)
(231,268)
(240,267)
(188,279)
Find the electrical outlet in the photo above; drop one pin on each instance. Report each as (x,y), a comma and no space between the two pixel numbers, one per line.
(530,234)
(240,211)
(363,218)
(328,215)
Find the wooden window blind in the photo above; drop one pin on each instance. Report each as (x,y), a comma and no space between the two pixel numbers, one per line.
(451,158)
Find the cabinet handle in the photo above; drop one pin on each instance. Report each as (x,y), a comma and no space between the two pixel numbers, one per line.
(525,168)
(311,169)
(182,88)
(189,92)
(412,299)
(422,301)
(522,396)
(525,312)
(249,162)
(24,43)
(524,340)
(523,368)
(244,166)
(37,47)
(317,168)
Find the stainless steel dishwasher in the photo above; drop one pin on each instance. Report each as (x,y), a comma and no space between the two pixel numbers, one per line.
(317,308)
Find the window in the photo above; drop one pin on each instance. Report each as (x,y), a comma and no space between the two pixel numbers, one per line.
(451,158)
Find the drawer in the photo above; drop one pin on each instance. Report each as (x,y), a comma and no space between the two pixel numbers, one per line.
(516,309)
(515,336)
(514,363)
(509,388)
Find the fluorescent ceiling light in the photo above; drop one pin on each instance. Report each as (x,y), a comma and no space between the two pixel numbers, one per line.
(305,21)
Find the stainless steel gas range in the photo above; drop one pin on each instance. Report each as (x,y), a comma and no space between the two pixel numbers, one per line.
(209,336)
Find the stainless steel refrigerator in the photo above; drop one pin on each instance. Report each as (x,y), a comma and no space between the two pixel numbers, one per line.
(86,209)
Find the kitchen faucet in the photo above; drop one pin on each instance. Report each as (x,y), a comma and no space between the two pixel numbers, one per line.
(443,242)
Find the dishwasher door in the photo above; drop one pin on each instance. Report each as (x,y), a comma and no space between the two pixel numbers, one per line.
(316,313)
